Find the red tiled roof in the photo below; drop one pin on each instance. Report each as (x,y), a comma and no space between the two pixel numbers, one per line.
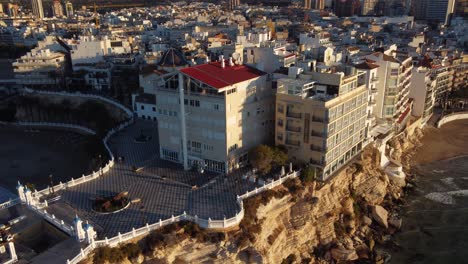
(404,114)
(213,75)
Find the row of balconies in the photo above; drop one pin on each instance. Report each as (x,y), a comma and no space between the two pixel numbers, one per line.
(293,128)
(293,115)
(291,142)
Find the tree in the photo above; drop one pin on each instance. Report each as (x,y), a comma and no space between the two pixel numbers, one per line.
(261,158)
(264,158)
(280,156)
(308,174)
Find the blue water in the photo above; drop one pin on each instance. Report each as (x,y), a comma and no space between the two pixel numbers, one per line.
(435,218)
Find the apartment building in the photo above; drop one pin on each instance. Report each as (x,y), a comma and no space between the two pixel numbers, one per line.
(57,8)
(210,115)
(39,68)
(394,74)
(460,72)
(370,79)
(37,9)
(422,91)
(442,73)
(270,56)
(321,118)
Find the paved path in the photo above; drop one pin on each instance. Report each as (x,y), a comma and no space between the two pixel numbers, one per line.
(164,188)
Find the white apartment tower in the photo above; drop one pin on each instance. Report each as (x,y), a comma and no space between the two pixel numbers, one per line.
(37,9)
(69,9)
(210,115)
(394,74)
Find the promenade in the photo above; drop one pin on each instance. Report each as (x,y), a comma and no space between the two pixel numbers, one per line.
(163,188)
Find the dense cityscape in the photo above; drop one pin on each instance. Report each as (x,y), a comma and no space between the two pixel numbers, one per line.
(238,131)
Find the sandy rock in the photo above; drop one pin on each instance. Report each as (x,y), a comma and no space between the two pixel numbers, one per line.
(341,254)
(363,251)
(395,222)
(348,243)
(380,215)
(366,220)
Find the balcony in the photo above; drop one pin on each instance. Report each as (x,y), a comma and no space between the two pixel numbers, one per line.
(372,102)
(374,90)
(316,134)
(316,148)
(375,79)
(318,119)
(293,128)
(294,115)
(316,162)
(291,142)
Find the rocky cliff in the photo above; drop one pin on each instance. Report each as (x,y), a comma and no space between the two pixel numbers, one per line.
(344,219)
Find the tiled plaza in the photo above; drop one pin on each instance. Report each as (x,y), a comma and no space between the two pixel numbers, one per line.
(164,188)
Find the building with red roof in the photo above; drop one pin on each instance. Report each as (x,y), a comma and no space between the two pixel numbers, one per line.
(210,115)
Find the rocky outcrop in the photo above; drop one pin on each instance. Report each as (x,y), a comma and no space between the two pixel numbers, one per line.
(315,222)
(380,215)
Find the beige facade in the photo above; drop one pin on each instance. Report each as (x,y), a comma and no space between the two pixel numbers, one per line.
(323,125)
(460,73)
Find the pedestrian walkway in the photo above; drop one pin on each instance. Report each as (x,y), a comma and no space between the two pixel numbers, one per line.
(163,188)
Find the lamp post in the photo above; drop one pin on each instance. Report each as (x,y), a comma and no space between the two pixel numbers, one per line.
(100,165)
(51,184)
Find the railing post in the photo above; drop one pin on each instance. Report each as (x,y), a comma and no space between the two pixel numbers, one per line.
(120,237)
(133,232)
(147,227)
(160,222)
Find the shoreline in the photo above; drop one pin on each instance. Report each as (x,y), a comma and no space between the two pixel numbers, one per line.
(447,143)
(440,144)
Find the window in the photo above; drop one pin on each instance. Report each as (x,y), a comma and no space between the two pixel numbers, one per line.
(154,109)
(280,108)
(216,106)
(280,122)
(195,103)
(142,107)
(232,148)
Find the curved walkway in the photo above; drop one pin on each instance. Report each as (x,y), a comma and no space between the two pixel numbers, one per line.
(164,189)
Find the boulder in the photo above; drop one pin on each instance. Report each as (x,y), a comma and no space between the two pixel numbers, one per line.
(380,215)
(395,222)
(341,254)
(366,220)
(363,251)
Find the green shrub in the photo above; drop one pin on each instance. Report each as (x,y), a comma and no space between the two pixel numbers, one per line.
(131,250)
(308,174)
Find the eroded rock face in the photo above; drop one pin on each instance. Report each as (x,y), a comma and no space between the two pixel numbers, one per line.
(380,215)
(341,254)
(325,221)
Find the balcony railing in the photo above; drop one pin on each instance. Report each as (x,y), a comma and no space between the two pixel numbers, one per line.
(372,102)
(316,148)
(296,143)
(317,119)
(294,115)
(375,79)
(293,128)
(316,162)
(316,134)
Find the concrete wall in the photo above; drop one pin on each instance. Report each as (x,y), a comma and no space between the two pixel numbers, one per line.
(452,117)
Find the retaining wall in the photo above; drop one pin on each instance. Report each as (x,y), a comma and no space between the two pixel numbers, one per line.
(452,117)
